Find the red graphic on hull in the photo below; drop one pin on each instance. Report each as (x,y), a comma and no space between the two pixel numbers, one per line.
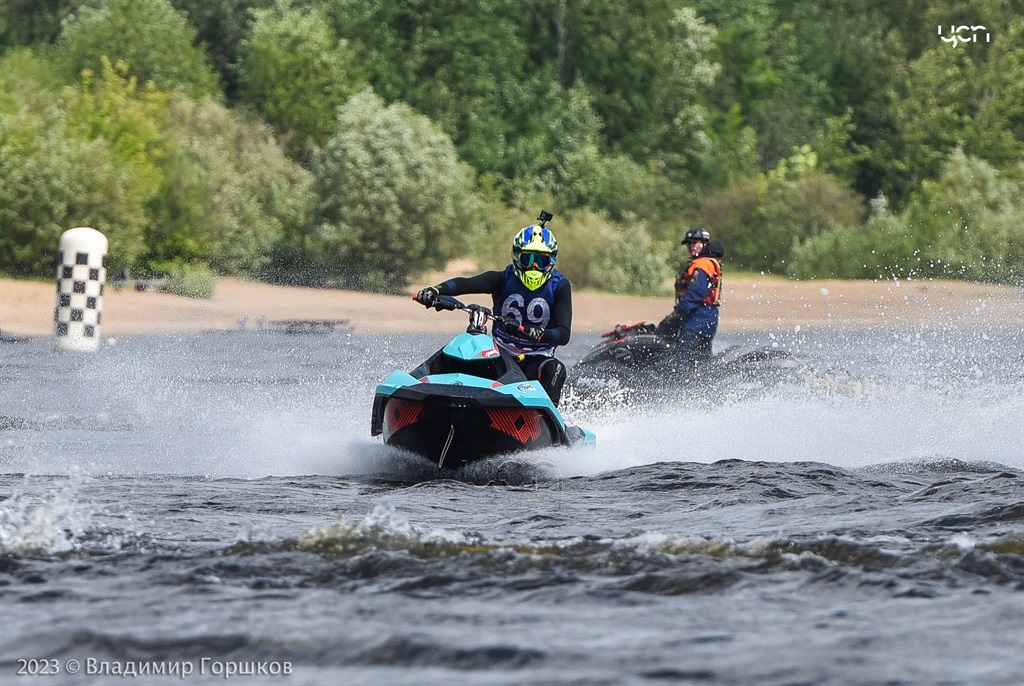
(522,425)
(400,413)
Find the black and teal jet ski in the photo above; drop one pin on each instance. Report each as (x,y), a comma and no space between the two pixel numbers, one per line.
(469,401)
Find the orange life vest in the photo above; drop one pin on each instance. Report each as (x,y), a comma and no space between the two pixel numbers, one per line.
(711,267)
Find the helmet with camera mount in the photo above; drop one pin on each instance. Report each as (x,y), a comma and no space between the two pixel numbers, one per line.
(534,253)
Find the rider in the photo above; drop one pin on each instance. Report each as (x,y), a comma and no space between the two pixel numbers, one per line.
(694,319)
(532,291)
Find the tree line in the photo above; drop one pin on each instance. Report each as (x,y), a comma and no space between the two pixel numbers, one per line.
(356,143)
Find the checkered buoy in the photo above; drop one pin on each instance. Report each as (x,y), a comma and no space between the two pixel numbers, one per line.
(81,274)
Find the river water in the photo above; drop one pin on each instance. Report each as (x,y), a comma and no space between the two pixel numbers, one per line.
(182,509)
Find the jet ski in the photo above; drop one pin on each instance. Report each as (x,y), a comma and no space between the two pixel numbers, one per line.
(635,361)
(469,401)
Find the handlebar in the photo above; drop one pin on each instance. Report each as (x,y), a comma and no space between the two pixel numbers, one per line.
(478,314)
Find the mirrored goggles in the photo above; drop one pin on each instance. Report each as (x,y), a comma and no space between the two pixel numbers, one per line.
(534,260)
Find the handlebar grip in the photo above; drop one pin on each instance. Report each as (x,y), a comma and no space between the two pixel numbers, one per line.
(447,302)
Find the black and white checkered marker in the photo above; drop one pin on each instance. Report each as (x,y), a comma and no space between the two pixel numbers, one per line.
(81,274)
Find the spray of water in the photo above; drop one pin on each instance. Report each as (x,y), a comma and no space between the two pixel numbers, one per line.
(253,406)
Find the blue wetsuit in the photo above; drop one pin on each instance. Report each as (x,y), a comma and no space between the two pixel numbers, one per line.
(696,315)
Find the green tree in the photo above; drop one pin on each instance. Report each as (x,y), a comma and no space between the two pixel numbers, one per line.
(32,22)
(230,192)
(148,35)
(114,109)
(853,52)
(295,71)
(930,110)
(762,219)
(28,80)
(649,65)
(220,27)
(50,182)
(764,86)
(479,70)
(388,187)
(57,170)
(998,98)
(968,96)
(563,158)
(968,221)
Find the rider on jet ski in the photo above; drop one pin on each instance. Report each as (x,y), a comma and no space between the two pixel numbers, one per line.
(694,319)
(532,291)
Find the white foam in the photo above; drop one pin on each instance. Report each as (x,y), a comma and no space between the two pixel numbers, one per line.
(42,524)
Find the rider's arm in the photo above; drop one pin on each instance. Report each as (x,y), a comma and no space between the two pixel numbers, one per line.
(696,291)
(560,326)
(488,282)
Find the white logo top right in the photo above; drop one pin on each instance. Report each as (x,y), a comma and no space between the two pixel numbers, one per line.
(957,35)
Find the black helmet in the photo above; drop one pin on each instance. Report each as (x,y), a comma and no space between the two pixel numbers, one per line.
(697,235)
(714,249)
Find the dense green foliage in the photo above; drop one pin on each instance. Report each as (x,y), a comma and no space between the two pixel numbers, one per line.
(357,143)
(80,157)
(296,73)
(389,186)
(230,194)
(149,36)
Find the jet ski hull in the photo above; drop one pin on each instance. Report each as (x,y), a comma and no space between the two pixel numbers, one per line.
(455,429)
(469,401)
(639,363)
(454,424)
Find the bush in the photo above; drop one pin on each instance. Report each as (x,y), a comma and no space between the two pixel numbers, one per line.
(881,249)
(59,171)
(609,256)
(968,221)
(593,251)
(230,193)
(149,35)
(964,225)
(389,189)
(762,219)
(190,280)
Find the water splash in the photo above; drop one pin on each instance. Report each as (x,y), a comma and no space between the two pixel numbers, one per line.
(261,405)
(43,524)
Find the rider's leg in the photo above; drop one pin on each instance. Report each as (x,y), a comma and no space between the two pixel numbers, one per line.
(692,349)
(669,326)
(549,371)
(551,375)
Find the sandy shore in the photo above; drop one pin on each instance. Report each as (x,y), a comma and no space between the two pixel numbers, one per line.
(749,304)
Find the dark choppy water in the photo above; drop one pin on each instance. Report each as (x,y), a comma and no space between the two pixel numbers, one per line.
(215,503)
